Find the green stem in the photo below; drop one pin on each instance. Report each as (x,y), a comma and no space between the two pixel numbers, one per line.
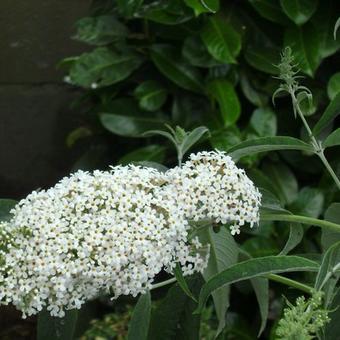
(163,283)
(301,219)
(329,168)
(290,282)
(316,145)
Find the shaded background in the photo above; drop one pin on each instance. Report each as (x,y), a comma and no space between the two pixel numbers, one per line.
(34,101)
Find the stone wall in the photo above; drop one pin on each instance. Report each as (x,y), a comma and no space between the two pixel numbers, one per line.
(35,114)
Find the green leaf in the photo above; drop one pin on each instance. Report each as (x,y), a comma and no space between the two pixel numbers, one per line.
(168,62)
(54,328)
(261,288)
(103,67)
(223,91)
(223,254)
(308,203)
(192,138)
(329,237)
(132,124)
(203,6)
(129,7)
(253,268)
(221,40)
(195,53)
(299,11)
(324,19)
(284,181)
(333,139)
(304,43)
(266,144)
(5,207)
(255,96)
(173,319)
(150,153)
(264,122)
(270,9)
(139,324)
(333,87)
(329,272)
(100,30)
(172,12)
(151,95)
(263,58)
(295,237)
(331,112)
(182,283)
(77,134)
(336,27)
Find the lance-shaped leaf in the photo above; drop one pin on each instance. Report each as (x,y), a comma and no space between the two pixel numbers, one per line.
(333,139)
(54,328)
(253,268)
(139,324)
(331,112)
(266,144)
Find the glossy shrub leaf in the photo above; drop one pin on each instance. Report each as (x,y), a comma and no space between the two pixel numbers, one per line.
(333,87)
(299,11)
(224,93)
(139,324)
(285,185)
(150,153)
(270,9)
(253,268)
(100,30)
(324,19)
(129,7)
(329,237)
(333,139)
(103,67)
(294,238)
(263,58)
(195,53)
(254,95)
(304,43)
(221,39)
(54,328)
(125,119)
(331,112)
(5,207)
(203,6)
(167,60)
(264,122)
(151,95)
(223,254)
(172,12)
(309,202)
(173,318)
(265,144)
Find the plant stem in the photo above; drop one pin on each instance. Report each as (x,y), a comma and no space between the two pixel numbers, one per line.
(301,219)
(163,283)
(290,282)
(316,145)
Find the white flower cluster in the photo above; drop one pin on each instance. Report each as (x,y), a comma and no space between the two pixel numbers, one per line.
(113,231)
(210,186)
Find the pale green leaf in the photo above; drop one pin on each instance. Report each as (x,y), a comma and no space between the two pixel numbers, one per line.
(139,324)
(253,268)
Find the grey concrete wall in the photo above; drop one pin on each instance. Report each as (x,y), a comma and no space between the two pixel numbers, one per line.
(35,114)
